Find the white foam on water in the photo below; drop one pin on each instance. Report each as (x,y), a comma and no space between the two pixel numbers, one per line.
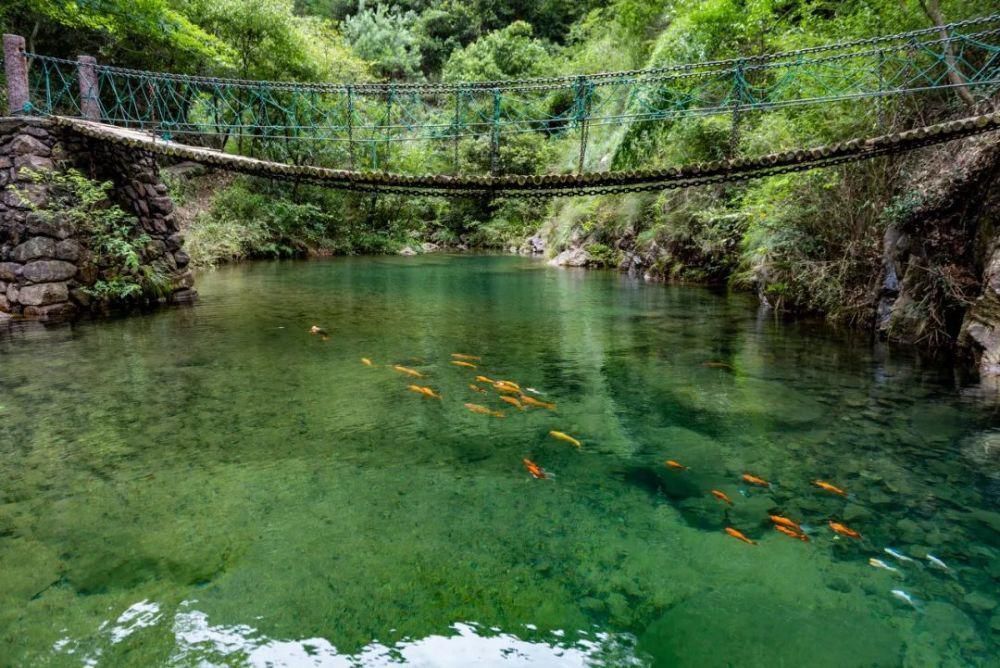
(199,642)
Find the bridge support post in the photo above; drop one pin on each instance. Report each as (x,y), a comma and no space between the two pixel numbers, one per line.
(16,69)
(90,104)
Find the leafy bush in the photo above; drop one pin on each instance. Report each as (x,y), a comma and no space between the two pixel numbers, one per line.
(114,237)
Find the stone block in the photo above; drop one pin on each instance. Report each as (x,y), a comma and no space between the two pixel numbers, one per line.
(162,204)
(48,271)
(40,133)
(37,247)
(182,259)
(184,296)
(35,163)
(51,312)
(9,271)
(174,242)
(143,207)
(151,190)
(69,249)
(6,162)
(185,280)
(13,294)
(48,226)
(27,145)
(43,294)
(4,304)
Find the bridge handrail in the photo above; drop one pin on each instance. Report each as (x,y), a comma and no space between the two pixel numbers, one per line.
(761,61)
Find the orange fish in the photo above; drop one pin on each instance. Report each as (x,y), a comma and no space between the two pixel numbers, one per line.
(721,496)
(426,391)
(785,522)
(830,488)
(484,379)
(565,437)
(738,535)
(531,401)
(754,480)
(792,533)
(408,371)
(316,329)
(503,387)
(366,361)
(675,465)
(465,364)
(483,410)
(844,530)
(460,356)
(510,383)
(534,469)
(476,388)
(513,402)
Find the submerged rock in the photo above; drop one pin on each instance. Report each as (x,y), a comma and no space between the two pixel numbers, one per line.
(407,251)
(737,627)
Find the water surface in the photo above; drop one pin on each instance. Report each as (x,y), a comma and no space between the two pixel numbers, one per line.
(215,486)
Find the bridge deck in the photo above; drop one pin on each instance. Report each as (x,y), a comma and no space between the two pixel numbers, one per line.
(548,184)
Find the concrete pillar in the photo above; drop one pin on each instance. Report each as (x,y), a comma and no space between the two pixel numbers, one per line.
(16,67)
(90,103)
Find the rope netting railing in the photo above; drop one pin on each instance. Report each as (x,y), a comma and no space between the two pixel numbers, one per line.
(470,127)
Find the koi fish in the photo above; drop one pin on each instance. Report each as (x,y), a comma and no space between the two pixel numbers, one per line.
(791,533)
(561,436)
(484,379)
(844,530)
(366,361)
(408,371)
(937,563)
(739,536)
(785,522)
(465,364)
(483,410)
(534,469)
(670,463)
(513,402)
(471,358)
(721,496)
(830,488)
(878,563)
(316,329)
(476,388)
(898,555)
(510,383)
(501,387)
(426,391)
(530,401)
(532,390)
(904,597)
(754,480)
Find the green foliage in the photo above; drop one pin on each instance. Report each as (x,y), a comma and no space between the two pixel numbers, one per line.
(112,236)
(386,38)
(513,52)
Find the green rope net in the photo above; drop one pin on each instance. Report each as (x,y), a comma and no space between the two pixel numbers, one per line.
(473,127)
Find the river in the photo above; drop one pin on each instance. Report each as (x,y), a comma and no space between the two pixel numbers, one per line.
(214,485)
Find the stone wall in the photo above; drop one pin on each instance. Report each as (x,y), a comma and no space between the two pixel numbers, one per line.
(44,263)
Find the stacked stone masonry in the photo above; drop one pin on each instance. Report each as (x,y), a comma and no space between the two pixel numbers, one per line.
(45,264)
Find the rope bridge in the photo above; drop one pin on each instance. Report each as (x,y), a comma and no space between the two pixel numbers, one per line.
(352,135)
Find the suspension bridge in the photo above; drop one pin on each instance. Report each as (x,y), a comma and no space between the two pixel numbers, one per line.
(455,139)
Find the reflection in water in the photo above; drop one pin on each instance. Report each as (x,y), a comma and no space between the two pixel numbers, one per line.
(191,486)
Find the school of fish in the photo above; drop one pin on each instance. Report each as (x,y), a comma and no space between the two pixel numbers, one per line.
(793,529)
(510,393)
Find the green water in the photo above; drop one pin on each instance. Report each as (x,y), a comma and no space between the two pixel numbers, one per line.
(215,486)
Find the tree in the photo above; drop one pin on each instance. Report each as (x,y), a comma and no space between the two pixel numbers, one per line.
(387,40)
(513,52)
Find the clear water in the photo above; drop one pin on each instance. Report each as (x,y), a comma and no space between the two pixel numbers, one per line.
(215,486)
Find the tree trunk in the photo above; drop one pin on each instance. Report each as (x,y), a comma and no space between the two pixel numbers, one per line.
(933,11)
